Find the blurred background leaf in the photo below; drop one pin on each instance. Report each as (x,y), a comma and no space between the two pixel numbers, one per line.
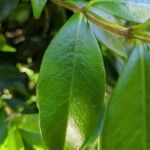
(23,41)
(38,6)
(6,8)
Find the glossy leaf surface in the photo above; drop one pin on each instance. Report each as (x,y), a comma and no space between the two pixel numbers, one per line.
(135,11)
(139,1)
(132,11)
(127,122)
(110,41)
(71,86)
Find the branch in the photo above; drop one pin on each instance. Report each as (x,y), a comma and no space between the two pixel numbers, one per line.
(107,25)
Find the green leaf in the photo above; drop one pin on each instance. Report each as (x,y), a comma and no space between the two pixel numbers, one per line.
(27,122)
(7,7)
(110,41)
(4,145)
(33,139)
(28,127)
(71,86)
(139,1)
(127,123)
(21,13)
(132,11)
(38,6)
(14,139)
(6,48)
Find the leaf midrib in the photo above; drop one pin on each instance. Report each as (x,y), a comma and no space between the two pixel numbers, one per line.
(144,95)
(73,68)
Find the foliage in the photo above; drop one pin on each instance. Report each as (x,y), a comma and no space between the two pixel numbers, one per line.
(91,90)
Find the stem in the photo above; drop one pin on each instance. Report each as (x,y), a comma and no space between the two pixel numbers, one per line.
(144,36)
(106,24)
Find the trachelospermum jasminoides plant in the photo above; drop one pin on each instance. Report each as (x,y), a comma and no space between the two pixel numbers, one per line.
(76,109)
